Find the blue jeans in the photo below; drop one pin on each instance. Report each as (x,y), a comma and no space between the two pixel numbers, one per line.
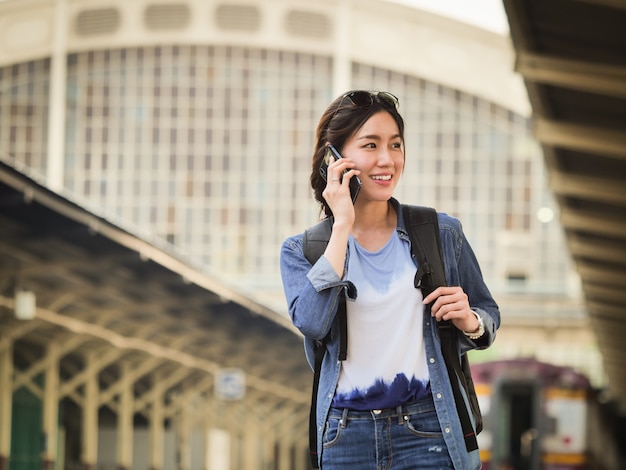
(406,438)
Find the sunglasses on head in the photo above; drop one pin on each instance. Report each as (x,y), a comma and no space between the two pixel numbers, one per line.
(364,98)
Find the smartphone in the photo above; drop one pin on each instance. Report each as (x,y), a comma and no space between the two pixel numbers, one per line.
(355,182)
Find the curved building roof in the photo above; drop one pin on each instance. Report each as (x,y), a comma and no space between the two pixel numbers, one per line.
(374,32)
(102,290)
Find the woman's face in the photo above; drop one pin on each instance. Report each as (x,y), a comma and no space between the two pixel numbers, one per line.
(377,151)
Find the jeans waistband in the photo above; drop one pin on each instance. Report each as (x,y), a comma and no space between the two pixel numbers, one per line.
(420,406)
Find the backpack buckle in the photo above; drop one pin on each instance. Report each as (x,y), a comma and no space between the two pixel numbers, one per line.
(423,269)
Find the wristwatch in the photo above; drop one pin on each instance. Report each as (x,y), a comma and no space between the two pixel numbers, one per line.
(481,328)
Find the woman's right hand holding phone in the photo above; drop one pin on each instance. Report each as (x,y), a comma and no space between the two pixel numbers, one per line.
(337,195)
(337,191)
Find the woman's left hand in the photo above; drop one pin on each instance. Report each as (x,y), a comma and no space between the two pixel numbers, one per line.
(451,303)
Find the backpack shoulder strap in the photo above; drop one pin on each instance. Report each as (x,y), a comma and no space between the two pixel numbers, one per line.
(423,226)
(315,239)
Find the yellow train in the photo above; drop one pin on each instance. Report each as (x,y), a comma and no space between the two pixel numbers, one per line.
(535,416)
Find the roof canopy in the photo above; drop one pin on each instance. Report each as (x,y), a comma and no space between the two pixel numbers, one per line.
(572,56)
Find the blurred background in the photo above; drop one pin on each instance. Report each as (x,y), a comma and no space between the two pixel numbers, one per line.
(154,156)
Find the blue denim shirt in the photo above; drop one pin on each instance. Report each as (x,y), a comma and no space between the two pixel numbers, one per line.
(313,294)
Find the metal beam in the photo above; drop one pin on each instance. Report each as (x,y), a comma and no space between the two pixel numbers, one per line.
(611,226)
(581,246)
(579,75)
(601,273)
(588,187)
(603,141)
(164,353)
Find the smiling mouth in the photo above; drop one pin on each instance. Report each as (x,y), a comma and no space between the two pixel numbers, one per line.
(382,178)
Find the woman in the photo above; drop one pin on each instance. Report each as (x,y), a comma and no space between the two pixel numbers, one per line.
(389,404)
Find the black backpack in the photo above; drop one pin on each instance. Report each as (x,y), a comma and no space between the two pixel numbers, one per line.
(423,228)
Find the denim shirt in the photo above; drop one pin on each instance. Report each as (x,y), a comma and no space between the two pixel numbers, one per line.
(313,294)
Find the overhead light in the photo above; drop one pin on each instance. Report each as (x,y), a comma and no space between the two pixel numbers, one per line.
(25,305)
(545,215)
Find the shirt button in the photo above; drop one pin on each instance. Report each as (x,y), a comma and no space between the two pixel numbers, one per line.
(447,430)
(439,395)
(377,412)
(432,360)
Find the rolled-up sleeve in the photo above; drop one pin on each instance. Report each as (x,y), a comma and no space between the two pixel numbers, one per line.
(312,292)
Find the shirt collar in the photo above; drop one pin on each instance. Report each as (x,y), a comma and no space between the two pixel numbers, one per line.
(400,224)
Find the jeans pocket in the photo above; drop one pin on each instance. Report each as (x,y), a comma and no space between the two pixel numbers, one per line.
(424,424)
(332,432)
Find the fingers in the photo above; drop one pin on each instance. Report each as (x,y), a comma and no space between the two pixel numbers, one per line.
(338,167)
(448,303)
(337,190)
(339,177)
(436,293)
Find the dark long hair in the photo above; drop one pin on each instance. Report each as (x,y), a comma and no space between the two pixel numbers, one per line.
(340,121)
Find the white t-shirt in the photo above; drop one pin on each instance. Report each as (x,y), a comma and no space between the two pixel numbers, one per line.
(386,361)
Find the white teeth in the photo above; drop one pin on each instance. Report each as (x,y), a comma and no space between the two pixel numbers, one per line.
(382,178)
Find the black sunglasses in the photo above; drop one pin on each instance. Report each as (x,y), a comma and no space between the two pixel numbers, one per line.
(364,98)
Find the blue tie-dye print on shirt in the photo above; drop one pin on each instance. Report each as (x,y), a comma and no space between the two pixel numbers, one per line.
(386,363)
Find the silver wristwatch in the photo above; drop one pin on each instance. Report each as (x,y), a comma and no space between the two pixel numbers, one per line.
(481,328)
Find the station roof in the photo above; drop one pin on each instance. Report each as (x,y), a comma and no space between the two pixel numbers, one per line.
(101,290)
(572,57)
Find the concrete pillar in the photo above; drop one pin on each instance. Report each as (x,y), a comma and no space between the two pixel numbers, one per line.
(251,452)
(51,407)
(6,401)
(219,450)
(232,416)
(302,456)
(89,455)
(184,429)
(206,437)
(125,421)
(56,107)
(157,420)
(342,63)
(285,448)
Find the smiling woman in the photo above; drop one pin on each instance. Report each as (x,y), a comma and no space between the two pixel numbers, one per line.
(381,376)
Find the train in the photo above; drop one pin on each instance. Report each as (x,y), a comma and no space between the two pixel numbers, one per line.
(535,415)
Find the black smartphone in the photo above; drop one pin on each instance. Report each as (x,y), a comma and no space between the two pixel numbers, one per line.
(355,182)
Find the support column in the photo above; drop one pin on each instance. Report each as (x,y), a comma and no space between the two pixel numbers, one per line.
(89,455)
(56,106)
(221,437)
(157,423)
(267,439)
(232,416)
(342,62)
(285,447)
(219,451)
(125,421)
(6,401)
(302,456)
(184,429)
(250,442)
(206,436)
(51,407)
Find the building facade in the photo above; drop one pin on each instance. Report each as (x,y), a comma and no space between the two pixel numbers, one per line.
(192,122)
